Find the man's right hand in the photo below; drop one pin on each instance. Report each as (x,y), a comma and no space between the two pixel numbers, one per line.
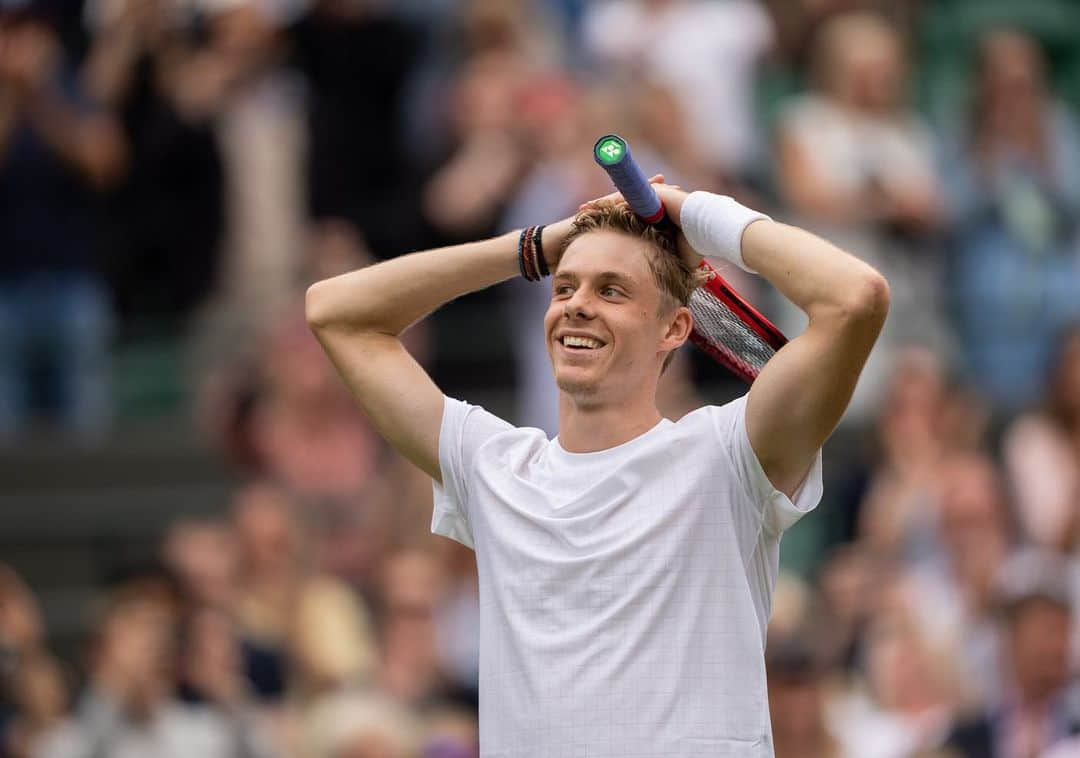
(552,239)
(672,196)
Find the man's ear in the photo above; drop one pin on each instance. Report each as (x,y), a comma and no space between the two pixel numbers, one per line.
(680,323)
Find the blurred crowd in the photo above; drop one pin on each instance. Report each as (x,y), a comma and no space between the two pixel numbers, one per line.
(188,167)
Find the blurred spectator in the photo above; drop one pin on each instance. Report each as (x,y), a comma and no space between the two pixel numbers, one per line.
(130,708)
(33,692)
(451,731)
(503,59)
(975,536)
(411,667)
(22,630)
(897,501)
(293,615)
(909,696)
(38,690)
(357,57)
(706,53)
(239,364)
(521,26)
(843,607)
(260,128)
(922,419)
(308,434)
(280,412)
(797,702)
(332,645)
(791,607)
(502,52)
(1041,450)
(853,152)
(798,23)
(203,557)
(1015,189)
(56,150)
(465,196)
(456,32)
(362,725)
(271,568)
(658,121)
(858,164)
(1035,709)
(164,221)
(457,616)
(958,534)
(211,663)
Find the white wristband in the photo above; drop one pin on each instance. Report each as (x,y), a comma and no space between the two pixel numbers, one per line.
(714,224)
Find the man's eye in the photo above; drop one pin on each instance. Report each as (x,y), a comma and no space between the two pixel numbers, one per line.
(610,292)
(563,290)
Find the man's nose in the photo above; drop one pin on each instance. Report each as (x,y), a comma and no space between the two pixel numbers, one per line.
(579,305)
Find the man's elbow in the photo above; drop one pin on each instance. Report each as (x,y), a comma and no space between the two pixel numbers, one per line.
(871,298)
(861,303)
(315,308)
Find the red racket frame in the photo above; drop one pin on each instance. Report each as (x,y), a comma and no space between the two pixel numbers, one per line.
(746,313)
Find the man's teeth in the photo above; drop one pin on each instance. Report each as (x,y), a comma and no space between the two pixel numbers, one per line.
(588,342)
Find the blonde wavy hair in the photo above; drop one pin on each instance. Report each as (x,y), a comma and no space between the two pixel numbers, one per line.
(675,280)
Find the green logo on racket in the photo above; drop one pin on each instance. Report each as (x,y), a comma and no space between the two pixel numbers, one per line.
(610,150)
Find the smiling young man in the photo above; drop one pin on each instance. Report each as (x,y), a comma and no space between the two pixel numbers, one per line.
(626,566)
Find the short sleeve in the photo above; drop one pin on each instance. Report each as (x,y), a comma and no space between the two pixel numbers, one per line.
(463,430)
(777,510)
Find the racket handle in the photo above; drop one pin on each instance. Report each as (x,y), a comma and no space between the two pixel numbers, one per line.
(613,154)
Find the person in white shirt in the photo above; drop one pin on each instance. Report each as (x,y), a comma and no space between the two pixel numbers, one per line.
(627,565)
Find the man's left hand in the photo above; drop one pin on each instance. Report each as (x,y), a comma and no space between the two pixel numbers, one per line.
(672,196)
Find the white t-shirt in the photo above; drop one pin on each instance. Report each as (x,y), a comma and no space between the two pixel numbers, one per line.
(624,594)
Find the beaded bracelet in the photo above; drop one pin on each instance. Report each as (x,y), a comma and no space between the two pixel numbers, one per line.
(524,264)
(538,243)
(530,254)
(531,260)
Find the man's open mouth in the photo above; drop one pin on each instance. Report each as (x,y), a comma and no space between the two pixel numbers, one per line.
(580,343)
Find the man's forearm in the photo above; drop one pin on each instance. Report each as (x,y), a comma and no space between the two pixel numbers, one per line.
(390,296)
(812,273)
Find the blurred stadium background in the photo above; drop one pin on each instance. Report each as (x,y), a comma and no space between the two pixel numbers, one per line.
(204,549)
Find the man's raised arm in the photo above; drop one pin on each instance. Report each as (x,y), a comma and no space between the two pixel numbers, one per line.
(802,392)
(358,318)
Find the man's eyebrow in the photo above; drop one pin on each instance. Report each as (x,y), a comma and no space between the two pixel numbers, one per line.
(604,276)
(615,276)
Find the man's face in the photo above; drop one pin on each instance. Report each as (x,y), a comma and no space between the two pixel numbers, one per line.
(603,326)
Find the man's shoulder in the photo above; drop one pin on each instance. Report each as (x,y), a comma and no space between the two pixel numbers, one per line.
(713,416)
(480,427)
(456,411)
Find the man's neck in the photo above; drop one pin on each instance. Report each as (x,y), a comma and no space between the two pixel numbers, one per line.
(585,428)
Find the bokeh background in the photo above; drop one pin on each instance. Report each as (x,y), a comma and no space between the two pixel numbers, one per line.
(206,551)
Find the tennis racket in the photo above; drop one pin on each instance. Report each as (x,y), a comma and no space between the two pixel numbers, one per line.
(726,326)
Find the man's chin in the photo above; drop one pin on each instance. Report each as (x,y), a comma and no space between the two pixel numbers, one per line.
(576,384)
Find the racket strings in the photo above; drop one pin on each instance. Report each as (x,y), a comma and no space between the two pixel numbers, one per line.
(722,333)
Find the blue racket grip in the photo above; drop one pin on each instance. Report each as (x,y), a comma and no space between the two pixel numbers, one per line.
(613,155)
